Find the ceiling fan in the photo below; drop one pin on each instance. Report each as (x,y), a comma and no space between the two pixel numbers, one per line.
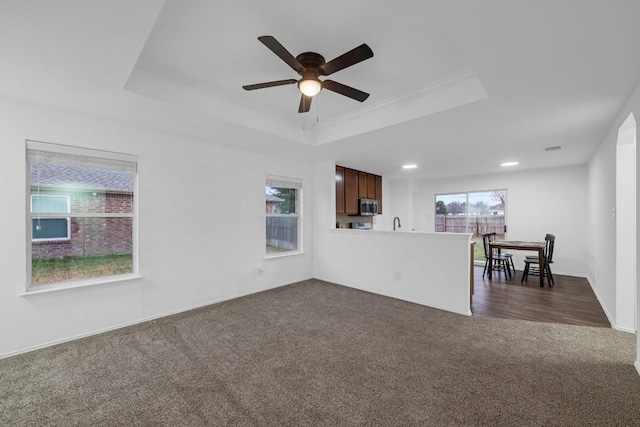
(310,66)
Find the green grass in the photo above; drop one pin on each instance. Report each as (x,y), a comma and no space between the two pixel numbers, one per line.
(275,250)
(478,249)
(54,270)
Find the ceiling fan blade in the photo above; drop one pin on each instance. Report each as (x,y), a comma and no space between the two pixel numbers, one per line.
(345,90)
(278,49)
(305,103)
(269,84)
(348,59)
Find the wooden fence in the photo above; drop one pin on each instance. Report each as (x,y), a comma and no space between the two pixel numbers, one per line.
(282,232)
(476,225)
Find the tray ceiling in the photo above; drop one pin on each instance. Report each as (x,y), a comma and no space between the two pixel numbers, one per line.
(199,55)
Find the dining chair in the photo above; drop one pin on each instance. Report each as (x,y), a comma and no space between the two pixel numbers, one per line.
(501,262)
(508,255)
(531,262)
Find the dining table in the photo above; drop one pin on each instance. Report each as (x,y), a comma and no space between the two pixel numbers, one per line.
(518,245)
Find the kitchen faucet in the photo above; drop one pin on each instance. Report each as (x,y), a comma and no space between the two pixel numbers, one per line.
(394,223)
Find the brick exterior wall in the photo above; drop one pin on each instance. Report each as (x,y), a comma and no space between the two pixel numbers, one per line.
(92,236)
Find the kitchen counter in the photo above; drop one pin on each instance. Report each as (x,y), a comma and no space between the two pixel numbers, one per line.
(402,233)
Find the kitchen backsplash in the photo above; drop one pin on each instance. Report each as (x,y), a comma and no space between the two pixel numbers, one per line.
(344,221)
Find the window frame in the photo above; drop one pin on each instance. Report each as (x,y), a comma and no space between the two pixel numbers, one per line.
(273,181)
(54,150)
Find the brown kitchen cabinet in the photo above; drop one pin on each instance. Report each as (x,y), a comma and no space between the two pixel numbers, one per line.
(379,192)
(371,186)
(339,189)
(352,185)
(362,185)
(350,191)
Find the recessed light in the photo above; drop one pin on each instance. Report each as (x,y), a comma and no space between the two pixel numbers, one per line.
(409,166)
(509,163)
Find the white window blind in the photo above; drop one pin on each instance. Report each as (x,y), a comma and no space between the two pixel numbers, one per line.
(44,152)
(283,182)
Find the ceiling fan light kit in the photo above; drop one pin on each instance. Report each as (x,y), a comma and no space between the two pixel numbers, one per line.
(310,86)
(310,66)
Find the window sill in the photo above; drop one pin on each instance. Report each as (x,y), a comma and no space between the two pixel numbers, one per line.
(50,241)
(284,254)
(79,284)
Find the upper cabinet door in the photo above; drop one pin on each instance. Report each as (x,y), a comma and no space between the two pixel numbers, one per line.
(379,193)
(362,185)
(339,189)
(371,186)
(350,191)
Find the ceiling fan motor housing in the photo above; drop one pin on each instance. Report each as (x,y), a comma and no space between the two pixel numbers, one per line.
(311,61)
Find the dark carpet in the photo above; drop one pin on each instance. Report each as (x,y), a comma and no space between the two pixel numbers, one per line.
(318,354)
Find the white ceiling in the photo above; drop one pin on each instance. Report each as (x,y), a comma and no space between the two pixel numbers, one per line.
(456,87)
(199,56)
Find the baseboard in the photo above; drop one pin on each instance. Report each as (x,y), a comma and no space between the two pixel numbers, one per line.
(219,300)
(449,309)
(136,322)
(606,312)
(604,307)
(564,273)
(637,365)
(621,329)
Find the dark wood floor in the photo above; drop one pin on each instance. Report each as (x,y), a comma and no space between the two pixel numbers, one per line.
(571,301)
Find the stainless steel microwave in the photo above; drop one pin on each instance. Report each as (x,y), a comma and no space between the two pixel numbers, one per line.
(367,207)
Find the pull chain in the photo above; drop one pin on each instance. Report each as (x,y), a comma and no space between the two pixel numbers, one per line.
(38,225)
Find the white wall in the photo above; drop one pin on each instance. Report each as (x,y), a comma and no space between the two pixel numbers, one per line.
(400,206)
(429,269)
(602,227)
(602,231)
(626,226)
(540,201)
(201,227)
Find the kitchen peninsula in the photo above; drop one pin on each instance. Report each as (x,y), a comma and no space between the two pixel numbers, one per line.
(431,269)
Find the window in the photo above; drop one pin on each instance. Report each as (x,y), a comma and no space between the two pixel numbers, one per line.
(49,228)
(81,215)
(477,213)
(283,214)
